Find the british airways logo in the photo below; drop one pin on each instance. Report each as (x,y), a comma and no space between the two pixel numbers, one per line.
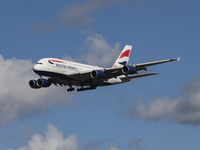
(53,61)
(58,64)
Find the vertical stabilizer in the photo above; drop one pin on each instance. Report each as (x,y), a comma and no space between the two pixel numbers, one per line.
(123,58)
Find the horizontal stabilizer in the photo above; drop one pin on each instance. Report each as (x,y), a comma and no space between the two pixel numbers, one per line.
(139,75)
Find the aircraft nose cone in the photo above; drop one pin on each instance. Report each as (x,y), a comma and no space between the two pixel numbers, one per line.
(36,68)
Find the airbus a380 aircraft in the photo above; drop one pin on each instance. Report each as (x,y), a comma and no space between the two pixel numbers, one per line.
(87,77)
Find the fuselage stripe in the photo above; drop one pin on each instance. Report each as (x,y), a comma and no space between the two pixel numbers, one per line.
(56,61)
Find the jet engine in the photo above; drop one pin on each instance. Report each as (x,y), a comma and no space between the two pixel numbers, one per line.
(97,74)
(43,83)
(33,84)
(129,70)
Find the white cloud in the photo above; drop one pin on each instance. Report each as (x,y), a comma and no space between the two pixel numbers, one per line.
(100,52)
(114,147)
(17,98)
(53,140)
(81,14)
(184,109)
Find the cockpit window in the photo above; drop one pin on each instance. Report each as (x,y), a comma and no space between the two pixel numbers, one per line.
(39,63)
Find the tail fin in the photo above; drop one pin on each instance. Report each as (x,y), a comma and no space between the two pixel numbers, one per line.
(123,57)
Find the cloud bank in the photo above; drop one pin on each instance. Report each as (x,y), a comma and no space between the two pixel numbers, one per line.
(53,139)
(17,99)
(98,52)
(184,109)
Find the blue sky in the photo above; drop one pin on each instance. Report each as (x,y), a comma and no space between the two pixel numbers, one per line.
(151,113)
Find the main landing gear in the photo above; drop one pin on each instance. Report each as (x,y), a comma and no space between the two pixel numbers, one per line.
(87,88)
(70,89)
(82,89)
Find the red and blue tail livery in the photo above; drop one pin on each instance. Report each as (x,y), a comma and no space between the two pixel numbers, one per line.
(125,54)
(123,57)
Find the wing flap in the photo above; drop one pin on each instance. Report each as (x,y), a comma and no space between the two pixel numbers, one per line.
(113,72)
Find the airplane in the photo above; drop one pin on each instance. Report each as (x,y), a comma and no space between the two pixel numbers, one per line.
(88,77)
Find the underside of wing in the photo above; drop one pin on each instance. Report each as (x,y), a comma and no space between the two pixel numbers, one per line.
(138,76)
(58,81)
(64,82)
(97,74)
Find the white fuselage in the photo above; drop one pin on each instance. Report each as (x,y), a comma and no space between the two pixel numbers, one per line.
(53,67)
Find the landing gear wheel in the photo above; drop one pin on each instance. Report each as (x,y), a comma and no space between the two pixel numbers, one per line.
(70,89)
(87,88)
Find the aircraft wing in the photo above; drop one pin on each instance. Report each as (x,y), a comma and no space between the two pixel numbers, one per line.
(117,71)
(86,75)
(143,66)
(114,72)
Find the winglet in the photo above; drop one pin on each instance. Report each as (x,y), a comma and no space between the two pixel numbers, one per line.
(179,59)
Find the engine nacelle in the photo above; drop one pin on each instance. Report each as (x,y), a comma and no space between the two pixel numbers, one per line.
(129,70)
(33,84)
(97,74)
(43,83)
